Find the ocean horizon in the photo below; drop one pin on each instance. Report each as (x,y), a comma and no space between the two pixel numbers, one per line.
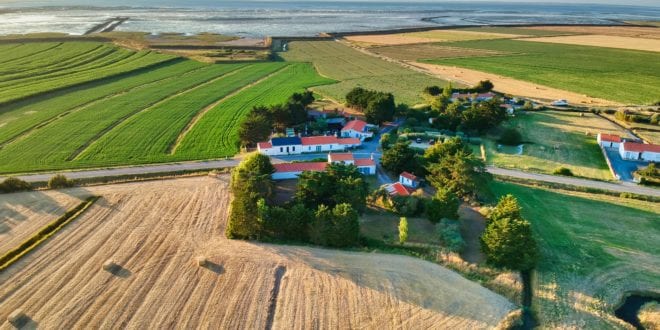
(298,18)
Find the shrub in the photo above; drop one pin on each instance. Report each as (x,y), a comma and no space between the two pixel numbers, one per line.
(403,230)
(563,171)
(433,90)
(12,184)
(407,205)
(450,235)
(511,137)
(60,181)
(484,86)
(443,205)
(338,227)
(655,119)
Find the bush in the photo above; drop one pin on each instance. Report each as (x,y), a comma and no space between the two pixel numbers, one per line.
(510,137)
(443,205)
(563,171)
(433,90)
(12,184)
(450,235)
(655,119)
(407,205)
(338,227)
(60,181)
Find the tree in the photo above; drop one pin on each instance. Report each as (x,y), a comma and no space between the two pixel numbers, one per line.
(509,243)
(337,227)
(14,184)
(483,115)
(462,174)
(403,230)
(338,184)
(60,181)
(255,128)
(484,86)
(448,148)
(444,205)
(358,98)
(380,108)
(432,90)
(447,91)
(400,157)
(386,140)
(250,182)
(511,137)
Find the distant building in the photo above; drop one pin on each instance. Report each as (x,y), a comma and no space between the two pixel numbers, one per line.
(397,189)
(472,97)
(356,129)
(297,145)
(640,151)
(409,180)
(608,140)
(293,170)
(560,103)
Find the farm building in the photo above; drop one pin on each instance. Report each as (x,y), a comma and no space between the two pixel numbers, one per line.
(472,97)
(409,180)
(293,170)
(356,129)
(608,140)
(397,189)
(297,145)
(640,151)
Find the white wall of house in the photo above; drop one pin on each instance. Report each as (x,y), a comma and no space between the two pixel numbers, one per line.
(651,156)
(629,155)
(323,147)
(367,170)
(406,182)
(609,144)
(283,150)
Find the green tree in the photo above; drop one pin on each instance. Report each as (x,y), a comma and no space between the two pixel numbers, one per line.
(509,243)
(250,181)
(511,137)
(448,148)
(13,184)
(338,184)
(507,207)
(380,108)
(255,128)
(432,90)
(462,174)
(386,140)
(444,205)
(483,115)
(448,90)
(400,157)
(484,86)
(337,227)
(403,230)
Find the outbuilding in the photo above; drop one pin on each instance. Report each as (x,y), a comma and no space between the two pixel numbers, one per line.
(409,180)
(608,140)
(356,129)
(640,151)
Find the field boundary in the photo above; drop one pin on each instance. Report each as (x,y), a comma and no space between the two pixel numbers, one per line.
(120,121)
(44,234)
(199,115)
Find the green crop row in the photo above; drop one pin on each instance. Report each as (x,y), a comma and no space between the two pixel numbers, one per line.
(216,134)
(66,56)
(23,116)
(152,133)
(50,146)
(25,52)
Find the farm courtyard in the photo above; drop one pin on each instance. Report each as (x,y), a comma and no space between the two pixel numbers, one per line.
(155,231)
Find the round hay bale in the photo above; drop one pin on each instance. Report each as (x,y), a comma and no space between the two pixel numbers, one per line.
(109,265)
(202,261)
(16,317)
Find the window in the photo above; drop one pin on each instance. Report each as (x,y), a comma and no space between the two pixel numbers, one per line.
(293,149)
(318,148)
(281,149)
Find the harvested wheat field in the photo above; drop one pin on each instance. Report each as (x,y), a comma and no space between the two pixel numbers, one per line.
(651,45)
(622,31)
(511,86)
(426,37)
(153,255)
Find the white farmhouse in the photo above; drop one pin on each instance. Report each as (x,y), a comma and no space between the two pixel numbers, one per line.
(297,145)
(286,171)
(608,140)
(356,129)
(640,151)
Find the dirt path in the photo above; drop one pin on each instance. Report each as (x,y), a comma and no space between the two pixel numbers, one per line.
(472,226)
(154,231)
(511,86)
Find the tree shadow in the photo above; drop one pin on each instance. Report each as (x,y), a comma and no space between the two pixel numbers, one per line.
(119,271)
(25,323)
(214,267)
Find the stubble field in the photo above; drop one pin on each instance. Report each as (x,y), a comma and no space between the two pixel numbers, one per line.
(155,230)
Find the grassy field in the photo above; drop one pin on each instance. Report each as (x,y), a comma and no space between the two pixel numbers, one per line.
(385,226)
(176,110)
(594,249)
(521,31)
(417,52)
(625,76)
(553,139)
(51,66)
(353,68)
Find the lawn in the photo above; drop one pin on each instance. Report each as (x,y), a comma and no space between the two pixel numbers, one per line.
(594,249)
(384,226)
(625,76)
(553,139)
(353,68)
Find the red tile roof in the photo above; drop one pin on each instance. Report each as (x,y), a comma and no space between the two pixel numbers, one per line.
(300,167)
(312,140)
(408,176)
(398,189)
(365,162)
(265,145)
(610,137)
(351,141)
(356,125)
(640,147)
(341,157)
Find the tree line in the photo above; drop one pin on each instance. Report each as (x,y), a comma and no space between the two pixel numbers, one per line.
(378,107)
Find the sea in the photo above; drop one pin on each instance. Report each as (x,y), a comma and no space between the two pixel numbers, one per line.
(299,18)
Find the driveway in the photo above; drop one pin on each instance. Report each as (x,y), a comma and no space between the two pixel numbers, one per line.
(623,168)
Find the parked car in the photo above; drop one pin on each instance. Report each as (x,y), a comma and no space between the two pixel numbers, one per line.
(560,103)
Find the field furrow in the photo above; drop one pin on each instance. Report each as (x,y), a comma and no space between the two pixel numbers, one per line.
(74,56)
(26,52)
(153,132)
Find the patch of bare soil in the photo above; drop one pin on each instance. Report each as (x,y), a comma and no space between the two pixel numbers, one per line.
(473,225)
(154,233)
(511,86)
(652,45)
(623,31)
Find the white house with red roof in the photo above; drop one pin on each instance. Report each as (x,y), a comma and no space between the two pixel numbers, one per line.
(298,145)
(640,151)
(356,129)
(409,180)
(608,140)
(286,171)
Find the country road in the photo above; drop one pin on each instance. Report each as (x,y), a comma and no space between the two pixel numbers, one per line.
(214,164)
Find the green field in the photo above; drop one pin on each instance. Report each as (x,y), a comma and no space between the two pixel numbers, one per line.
(178,110)
(594,249)
(353,68)
(49,66)
(625,76)
(553,139)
